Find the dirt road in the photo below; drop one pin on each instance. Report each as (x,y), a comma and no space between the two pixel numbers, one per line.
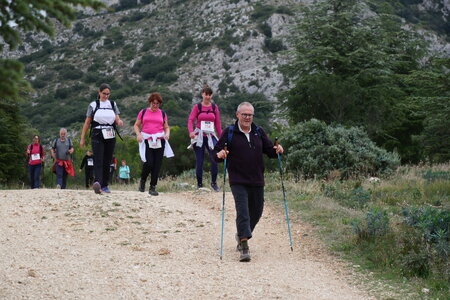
(70,244)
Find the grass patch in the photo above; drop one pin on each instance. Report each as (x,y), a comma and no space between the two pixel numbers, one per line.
(397,228)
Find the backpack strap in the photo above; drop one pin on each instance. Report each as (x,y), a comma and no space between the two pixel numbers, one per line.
(231,133)
(199,108)
(143,113)
(97,107)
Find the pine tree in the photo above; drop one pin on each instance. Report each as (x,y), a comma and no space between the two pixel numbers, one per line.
(349,68)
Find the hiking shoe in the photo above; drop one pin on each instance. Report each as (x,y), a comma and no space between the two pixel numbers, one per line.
(215,187)
(245,252)
(152,191)
(97,188)
(142,186)
(105,190)
(199,185)
(58,186)
(239,246)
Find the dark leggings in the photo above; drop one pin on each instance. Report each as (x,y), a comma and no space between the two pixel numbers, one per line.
(103,153)
(200,156)
(153,163)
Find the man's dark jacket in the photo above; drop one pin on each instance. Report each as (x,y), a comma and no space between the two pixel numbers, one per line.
(245,161)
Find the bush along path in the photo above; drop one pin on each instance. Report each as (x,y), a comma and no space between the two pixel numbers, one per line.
(70,244)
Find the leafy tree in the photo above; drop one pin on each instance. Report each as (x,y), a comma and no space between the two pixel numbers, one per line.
(350,67)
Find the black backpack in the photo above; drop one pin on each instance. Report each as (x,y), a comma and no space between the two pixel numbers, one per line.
(199,106)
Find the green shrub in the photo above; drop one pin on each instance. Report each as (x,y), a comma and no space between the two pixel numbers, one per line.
(187,43)
(431,176)
(413,257)
(433,222)
(166,77)
(126,4)
(226,66)
(376,225)
(134,17)
(69,72)
(359,198)
(150,66)
(262,12)
(149,44)
(128,52)
(274,45)
(265,29)
(314,149)
(38,83)
(62,93)
(284,10)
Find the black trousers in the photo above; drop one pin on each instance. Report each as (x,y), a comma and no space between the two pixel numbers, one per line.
(103,152)
(89,176)
(153,163)
(249,202)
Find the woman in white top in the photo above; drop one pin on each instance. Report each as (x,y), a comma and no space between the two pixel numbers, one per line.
(102,116)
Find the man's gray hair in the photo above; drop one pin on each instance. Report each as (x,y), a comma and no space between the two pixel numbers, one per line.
(244,104)
(63,129)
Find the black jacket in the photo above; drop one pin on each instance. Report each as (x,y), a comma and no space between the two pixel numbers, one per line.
(245,163)
(84,162)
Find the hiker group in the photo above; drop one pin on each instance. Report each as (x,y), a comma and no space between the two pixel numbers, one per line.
(240,147)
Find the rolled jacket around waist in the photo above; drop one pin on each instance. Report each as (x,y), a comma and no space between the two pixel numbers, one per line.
(168,152)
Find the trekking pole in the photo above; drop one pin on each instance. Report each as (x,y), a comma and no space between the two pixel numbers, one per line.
(284,197)
(223,199)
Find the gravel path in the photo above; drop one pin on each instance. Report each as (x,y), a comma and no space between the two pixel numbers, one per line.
(70,244)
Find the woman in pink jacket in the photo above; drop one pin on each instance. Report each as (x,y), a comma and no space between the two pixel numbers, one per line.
(204,128)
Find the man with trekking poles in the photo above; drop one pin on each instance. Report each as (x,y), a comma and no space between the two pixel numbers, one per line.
(241,148)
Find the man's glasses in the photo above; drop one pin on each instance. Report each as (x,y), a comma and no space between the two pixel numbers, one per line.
(247,115)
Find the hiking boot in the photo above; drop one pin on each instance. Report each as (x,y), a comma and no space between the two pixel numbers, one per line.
(58,186)
(239,246)
(142,186)
(153,191)
(199,185)
(105,190)
(215,187)
(245,252)
(97,188)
